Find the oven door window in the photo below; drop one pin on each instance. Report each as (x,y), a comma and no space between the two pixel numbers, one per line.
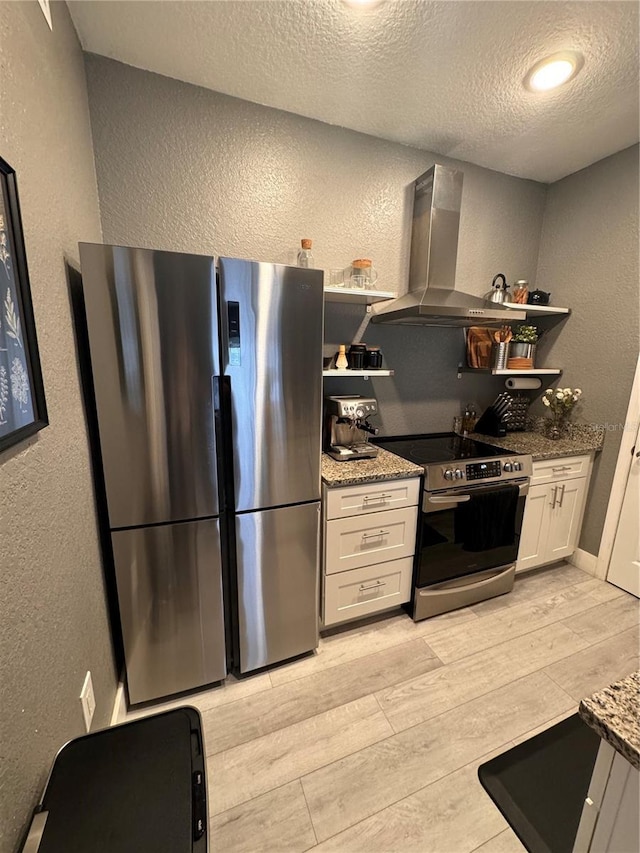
(460,536)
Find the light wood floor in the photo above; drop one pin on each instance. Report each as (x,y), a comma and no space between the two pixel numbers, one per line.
(373,743)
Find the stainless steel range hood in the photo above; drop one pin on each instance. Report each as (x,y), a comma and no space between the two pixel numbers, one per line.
(432,300)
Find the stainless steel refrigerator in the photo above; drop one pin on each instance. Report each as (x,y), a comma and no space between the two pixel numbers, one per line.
(207,385)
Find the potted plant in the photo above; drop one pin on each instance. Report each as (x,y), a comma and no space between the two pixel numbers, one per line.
(523,343)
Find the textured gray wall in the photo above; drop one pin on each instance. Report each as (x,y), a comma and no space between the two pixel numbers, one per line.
(589,260)
(183,168)
(53,623)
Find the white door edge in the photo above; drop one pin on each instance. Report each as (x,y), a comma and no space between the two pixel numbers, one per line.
(620,477)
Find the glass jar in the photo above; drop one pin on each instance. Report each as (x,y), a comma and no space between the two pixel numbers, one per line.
(305,258)
(363,275)
(521,291)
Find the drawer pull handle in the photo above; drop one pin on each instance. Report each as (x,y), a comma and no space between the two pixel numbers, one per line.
(375,535)
(376,585)
(382,497)
(561,468)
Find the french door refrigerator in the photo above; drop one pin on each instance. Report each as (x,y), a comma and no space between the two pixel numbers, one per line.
(207,386)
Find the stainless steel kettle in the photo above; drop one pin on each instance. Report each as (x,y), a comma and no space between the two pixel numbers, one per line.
(499,292)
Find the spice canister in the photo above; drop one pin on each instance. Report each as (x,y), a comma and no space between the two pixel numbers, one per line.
(357,354)
(373,358)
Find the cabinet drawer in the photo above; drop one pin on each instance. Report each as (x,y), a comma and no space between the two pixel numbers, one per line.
(359,592)
(372,497)
(566,468)
(373,538)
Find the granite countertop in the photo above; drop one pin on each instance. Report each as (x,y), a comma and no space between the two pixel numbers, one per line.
(385,466)
(581,439)
(613,714)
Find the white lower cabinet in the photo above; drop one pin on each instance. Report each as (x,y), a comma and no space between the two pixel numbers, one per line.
(367,539)
(368,555)
(609,821)
(359,592)
(552,517)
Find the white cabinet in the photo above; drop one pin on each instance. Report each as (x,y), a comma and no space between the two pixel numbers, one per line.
(554,511)
(359,592)
(369,537)
(371,497)
(609,821)
(364,540)
(533,536)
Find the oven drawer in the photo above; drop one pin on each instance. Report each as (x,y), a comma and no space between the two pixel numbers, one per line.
(359,592)
(373,538)
(371,497)
(550,470)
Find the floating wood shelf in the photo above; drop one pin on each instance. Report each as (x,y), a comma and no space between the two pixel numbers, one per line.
(355,297)
(537,310)
(492,371)
(362,374)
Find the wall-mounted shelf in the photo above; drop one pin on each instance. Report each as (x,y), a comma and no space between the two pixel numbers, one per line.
(362,374)
(538,310)
(356,297)
(492,371)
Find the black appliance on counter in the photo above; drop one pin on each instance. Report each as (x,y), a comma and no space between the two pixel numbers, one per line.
(470,520)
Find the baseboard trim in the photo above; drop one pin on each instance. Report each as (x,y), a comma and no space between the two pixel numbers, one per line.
(119,706)
(584,560)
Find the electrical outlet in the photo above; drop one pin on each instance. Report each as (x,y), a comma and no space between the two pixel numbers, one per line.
(88,700)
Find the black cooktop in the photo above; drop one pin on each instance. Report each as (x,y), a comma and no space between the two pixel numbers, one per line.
(439,447)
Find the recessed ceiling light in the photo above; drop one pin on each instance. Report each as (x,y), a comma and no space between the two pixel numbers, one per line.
(363,4)
(553,71)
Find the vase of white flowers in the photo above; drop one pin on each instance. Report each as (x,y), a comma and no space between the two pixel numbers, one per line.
(560,402)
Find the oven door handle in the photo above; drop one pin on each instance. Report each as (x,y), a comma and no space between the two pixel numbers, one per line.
(453,497)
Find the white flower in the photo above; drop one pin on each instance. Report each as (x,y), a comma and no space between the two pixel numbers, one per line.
(577,393)
(549,391)
(559,395)
(546,401)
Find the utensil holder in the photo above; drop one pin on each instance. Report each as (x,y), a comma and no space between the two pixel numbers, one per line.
(500,355)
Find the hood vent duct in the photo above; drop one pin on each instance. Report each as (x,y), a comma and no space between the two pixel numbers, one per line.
(432,299)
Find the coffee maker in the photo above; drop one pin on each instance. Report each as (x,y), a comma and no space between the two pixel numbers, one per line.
(347,427)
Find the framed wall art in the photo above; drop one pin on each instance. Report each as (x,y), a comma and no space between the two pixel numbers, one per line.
(23,409)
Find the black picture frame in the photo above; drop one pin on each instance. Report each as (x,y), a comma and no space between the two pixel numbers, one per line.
(23,408)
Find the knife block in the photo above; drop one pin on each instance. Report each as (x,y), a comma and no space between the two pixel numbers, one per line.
(491,423)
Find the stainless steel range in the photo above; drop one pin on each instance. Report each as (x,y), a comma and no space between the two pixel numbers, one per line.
(469,531)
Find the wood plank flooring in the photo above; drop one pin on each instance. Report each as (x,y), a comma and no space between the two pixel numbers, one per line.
(373,743)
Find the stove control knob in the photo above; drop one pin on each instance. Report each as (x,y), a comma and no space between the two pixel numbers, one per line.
(517,466)
(459,474)
(508,466)
(449,474)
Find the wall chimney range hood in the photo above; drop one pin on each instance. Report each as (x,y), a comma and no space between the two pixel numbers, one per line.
(432,299)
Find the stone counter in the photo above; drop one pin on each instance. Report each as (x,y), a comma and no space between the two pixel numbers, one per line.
(614,713)
(581,440)
(385,466)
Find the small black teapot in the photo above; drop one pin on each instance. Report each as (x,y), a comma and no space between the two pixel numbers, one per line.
(538,297)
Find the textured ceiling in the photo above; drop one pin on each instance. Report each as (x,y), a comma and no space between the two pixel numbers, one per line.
(443,76)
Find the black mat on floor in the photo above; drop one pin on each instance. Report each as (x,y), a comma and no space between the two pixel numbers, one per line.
(540,785)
